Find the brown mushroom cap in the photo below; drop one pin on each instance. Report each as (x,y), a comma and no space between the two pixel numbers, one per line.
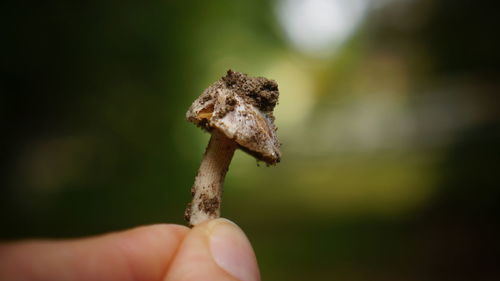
(242,108)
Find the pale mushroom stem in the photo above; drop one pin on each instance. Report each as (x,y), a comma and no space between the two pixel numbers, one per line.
(207,188)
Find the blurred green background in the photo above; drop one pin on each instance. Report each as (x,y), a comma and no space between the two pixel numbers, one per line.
(388,115)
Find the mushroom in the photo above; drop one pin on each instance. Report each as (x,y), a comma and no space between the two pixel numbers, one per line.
(238,112)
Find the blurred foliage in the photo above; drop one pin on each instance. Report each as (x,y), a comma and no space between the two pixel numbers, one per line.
(390,140)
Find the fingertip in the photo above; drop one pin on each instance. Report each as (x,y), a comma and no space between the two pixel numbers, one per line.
(232,250)
(215,250)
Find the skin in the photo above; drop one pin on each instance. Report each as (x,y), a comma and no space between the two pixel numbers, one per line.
(213,250)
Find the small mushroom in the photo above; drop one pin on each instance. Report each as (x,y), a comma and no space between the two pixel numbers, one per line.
(238,111)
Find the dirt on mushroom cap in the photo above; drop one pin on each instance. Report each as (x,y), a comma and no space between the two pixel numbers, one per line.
(261,92)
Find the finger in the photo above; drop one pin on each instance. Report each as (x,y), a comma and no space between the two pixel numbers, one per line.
(143,253)
(216,250)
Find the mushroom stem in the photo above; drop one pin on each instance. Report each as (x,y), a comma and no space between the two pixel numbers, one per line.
(207,188)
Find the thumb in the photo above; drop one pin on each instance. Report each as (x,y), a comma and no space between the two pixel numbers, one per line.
(215,250)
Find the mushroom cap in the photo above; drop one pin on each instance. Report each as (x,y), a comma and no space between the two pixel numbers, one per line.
(241,107)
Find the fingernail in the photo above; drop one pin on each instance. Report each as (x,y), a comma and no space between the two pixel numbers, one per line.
(232,251)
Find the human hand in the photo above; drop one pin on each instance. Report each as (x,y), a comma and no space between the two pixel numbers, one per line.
(213,250)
